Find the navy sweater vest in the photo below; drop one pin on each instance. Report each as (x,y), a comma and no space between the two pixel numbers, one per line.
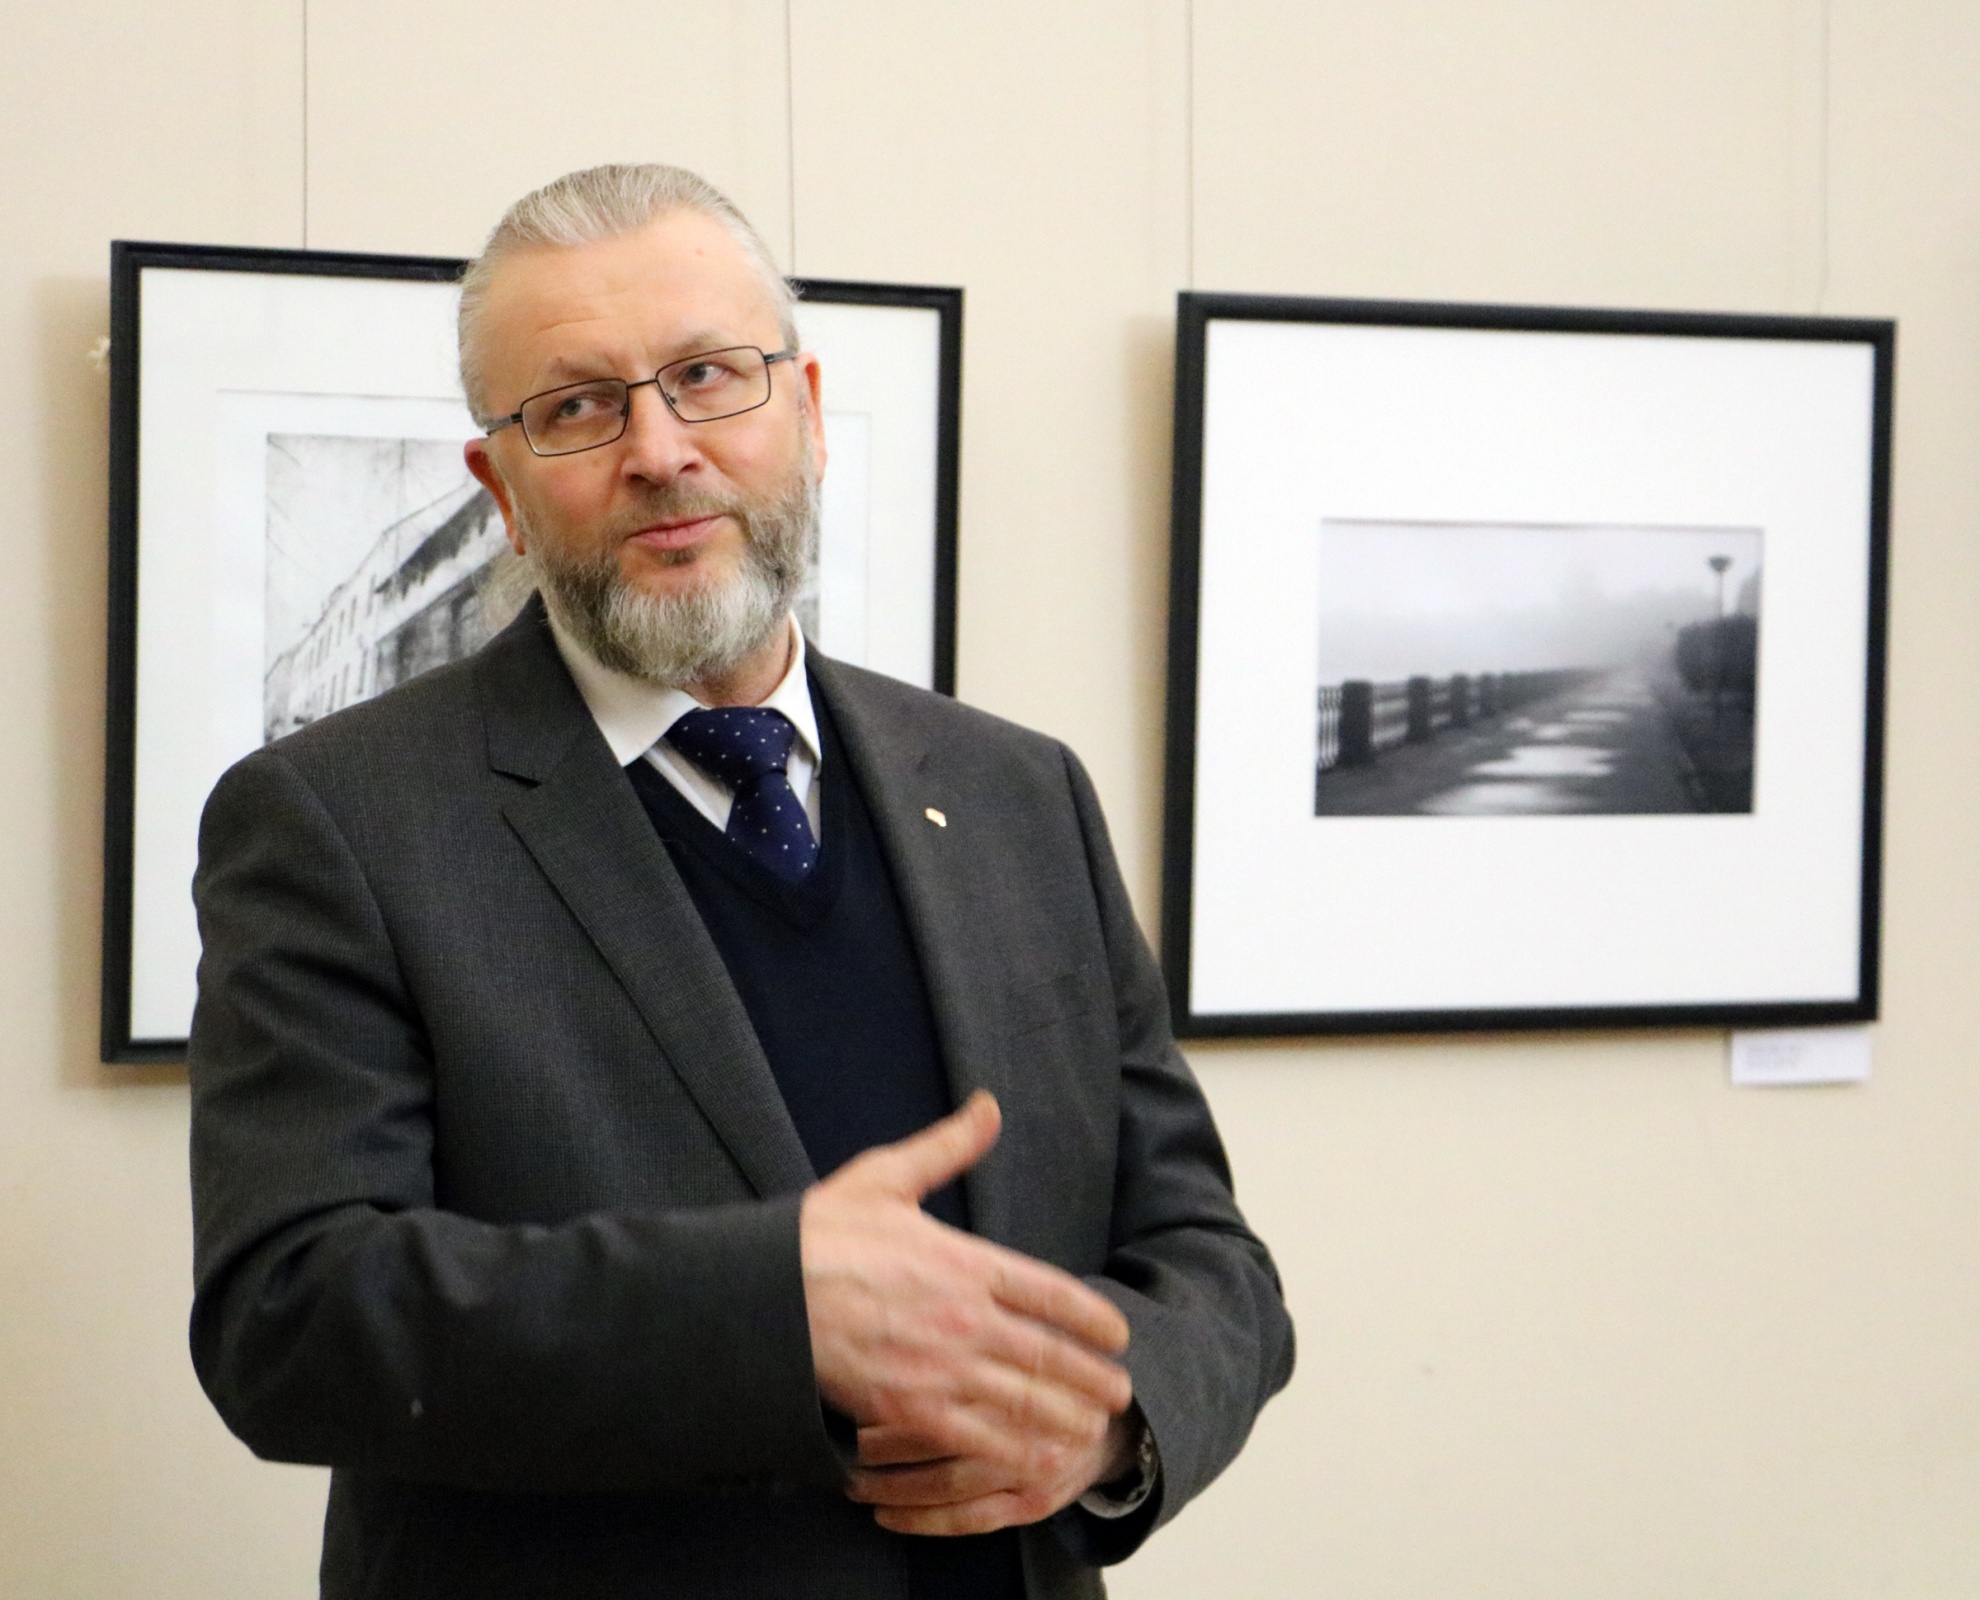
(829,976)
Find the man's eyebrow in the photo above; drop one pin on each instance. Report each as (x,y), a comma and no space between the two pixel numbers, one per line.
(576,369)
(702,341)
(563,369)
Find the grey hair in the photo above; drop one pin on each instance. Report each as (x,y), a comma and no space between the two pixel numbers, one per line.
(604,203)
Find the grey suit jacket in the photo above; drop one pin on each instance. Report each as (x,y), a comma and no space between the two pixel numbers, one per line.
(495,1196)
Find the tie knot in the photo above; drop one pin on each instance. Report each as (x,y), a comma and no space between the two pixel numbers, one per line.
(735,743)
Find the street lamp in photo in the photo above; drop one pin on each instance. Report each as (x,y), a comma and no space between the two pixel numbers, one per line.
(1718,564)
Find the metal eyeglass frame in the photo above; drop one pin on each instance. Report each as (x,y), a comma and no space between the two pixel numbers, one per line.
(770,359)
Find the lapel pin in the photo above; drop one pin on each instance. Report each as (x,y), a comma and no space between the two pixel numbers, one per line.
(936,817)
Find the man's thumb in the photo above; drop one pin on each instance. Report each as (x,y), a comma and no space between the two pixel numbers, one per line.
(940,1153)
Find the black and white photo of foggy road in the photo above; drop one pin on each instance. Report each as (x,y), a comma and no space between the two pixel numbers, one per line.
(1482,669)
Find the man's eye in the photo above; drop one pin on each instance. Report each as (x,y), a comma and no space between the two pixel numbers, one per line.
(700,374)
(579,407)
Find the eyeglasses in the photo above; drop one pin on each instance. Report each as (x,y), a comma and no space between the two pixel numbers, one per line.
(699,388)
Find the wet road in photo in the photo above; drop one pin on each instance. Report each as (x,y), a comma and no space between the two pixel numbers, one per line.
(1604,748)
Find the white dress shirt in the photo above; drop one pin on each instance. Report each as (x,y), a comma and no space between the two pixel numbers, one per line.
(635,717)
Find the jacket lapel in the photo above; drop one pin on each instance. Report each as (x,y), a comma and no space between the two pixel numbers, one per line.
(578,817)
(898,770)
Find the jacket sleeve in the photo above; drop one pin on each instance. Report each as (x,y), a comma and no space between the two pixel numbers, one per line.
(341,1318)
(1210,1339)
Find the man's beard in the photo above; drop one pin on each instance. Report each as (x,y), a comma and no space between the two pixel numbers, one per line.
(704,630)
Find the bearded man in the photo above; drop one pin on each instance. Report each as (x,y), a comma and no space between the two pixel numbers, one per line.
(675,1115)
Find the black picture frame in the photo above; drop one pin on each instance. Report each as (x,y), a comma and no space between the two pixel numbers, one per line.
(945,304)
(1363,443)
(292,311)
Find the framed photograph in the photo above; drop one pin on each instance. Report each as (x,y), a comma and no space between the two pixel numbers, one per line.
(293,530)
(1526,668)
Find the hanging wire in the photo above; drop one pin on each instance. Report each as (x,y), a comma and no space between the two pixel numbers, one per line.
(305,124)
(1189,144)
(790,136)
(1822,174)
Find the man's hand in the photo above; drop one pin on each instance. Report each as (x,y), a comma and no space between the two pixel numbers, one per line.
(986,1370)
(913,1494)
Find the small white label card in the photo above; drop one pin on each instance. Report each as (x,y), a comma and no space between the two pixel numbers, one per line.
(1774,1057)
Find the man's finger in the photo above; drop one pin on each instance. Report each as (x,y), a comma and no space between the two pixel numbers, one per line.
(983,1431)
(884,1445)
(1031,1356)
(1001,1416)
(938,1483)
(1025,1408)
(942,1152)
(986,1514)
(1056,1298)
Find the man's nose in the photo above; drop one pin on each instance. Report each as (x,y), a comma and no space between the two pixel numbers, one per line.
(657,444)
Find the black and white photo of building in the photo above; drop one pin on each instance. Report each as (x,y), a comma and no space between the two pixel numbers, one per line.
(377,553)
(1480,669)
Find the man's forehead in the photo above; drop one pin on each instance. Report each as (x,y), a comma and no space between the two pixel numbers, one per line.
(678,279)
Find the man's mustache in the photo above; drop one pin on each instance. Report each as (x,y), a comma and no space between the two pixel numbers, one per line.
(679,505)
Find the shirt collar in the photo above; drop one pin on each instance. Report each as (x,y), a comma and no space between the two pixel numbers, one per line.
(634,716)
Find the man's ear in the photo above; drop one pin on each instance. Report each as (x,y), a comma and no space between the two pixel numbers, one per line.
(811,397)
(482,465)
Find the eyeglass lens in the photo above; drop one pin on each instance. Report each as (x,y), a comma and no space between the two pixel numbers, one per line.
(700,388)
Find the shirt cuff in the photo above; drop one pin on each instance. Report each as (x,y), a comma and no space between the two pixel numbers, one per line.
(1126,1495)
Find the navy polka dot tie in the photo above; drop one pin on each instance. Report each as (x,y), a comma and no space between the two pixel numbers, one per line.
(747,748)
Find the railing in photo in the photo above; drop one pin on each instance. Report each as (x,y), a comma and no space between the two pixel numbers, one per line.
(1359,719)
(1330,725)
(1388,718)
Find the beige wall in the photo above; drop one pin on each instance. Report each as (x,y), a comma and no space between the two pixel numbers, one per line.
(1577,1319)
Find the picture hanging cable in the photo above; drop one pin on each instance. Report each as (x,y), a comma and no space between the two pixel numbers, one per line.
(305,124)
(790,136)
(1189,144)
(1822,168)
